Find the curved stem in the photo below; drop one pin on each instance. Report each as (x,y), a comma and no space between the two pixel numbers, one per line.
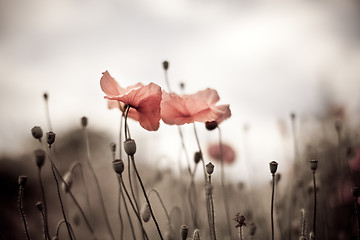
(58,228)
(272,206)
(147,199)
(46,226)
(20,206)
(86,137)
(161,202)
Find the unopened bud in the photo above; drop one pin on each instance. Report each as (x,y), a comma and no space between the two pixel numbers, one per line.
(37,132)
(313,164)
(130,146)
(84,121)
(197,157)
(184,232)
(39,157)
(209,168)
(118,166)
(50,137)
(273,167)
(39,205)
(211,125)
(22,180)
(165,65)
(145,213)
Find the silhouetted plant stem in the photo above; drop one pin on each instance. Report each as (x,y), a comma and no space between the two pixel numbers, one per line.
(86,137)
(147,199)
(44,212)
(272,206)
(58,229)
(210,206)
(59,194)
(314,221)
(339,172)
(199,146)
(161,202)
(226,200)
(43,220)
(20,207)
(47,110)
(357,218)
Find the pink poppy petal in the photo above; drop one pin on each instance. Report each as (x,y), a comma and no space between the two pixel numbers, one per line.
(225,112)
(210,96)
(173,110)
(109,85)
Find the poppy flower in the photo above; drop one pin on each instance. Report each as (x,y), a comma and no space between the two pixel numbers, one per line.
(143,99)
(197,107)
(228,154)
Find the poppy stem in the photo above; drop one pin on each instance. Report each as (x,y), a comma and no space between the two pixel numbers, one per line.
(44,212)
(272,206)
(20,206)
(202,158)
(314,221)
(161,202)
(58,229)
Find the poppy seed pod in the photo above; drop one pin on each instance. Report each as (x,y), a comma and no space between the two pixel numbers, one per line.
(196,235)
(130,146)
(184,229)
(37,132)
(313,164)
(165,65)
(145,213)
(84,121)
(209,168)
(273,167)
(68,179)
(355,192)
(118,166)
(22,180)
(39,205)
(46,96)
(197,157)
(211,125)
(50,137)
(39,157)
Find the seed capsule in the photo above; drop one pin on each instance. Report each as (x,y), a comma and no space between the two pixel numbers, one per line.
(37,132)
(118,166)
(130,146)
(50,137)
(40,157)
(273,167)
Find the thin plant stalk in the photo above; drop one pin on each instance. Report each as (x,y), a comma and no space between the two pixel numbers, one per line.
(356,205)
(272,206)
(198,143)
(119,211)
(20,207)
(147,199)
(133,207)
(339,172)
(44,212)
(314,221)
(80,166)
(210,206)
(226,200)
(44,228)
(47,111)
(241,233)
(59,194)
(161,202)
(58,229)
(86,137)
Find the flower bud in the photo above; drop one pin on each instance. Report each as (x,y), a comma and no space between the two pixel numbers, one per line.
(39,157)
(313,164)
(68,181)
(130,146)
(50,137)
(39,205)
(209,168)
(37,132)
(22,180)
(145,212)
(165,65)
(197,157)
(273,167)
(84,121)
(355,192)
(118,166)
(184,232)
(211,125)
(196,235)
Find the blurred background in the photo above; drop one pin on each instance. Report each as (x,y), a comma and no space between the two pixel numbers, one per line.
(266,59)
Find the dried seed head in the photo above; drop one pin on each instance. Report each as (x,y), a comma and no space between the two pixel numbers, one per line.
(184,229)
(39,205)
(39,157)
(313,164)
(145,212)
(273,167)
(211,125)
(165,65)
(355,192)
(252,229)
(197,157)
(84,121)
(209,168)
(118,166)
(22,180)
(68,179)
(196,235)
(50,137)
(113,147)
(37,132)
(130,146)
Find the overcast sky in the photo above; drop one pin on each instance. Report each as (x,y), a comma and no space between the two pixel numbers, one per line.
(265,58)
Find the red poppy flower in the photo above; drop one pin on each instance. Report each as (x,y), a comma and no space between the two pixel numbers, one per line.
(198,107)
(143,99)
(227,152)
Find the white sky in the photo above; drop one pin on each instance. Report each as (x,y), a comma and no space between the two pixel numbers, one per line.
(265,58)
